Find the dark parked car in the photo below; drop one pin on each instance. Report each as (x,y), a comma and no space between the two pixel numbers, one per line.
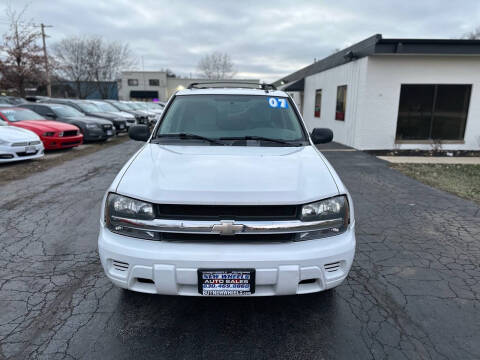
(91,110)
(92,128)
(140,116)
(13,100)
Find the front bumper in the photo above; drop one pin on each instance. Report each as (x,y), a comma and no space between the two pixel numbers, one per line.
(61,142)
(163,267)
(16,153)
(98,134)
(120,126)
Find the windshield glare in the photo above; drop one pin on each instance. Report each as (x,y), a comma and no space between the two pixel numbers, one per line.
(66,111)
(219,116)
(20,114)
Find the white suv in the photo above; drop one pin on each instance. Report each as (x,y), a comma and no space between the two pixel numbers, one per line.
(229,196)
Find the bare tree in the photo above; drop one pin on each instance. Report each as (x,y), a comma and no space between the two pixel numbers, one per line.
(90,62)
(22,65)
(72,55)
(216,66)
(472,35)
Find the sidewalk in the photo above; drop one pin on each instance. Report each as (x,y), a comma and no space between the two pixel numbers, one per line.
(431,160)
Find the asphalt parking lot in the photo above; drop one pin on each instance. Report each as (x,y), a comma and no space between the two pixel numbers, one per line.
(413,292)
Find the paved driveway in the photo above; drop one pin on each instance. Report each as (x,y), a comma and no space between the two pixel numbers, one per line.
(413,293)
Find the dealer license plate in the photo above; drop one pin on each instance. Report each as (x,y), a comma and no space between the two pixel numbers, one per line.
(30,149)
(226,282)
(109,132)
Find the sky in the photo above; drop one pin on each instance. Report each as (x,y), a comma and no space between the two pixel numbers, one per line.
(265,39)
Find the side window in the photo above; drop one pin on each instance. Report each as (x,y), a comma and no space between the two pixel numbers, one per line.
(341,103)
(318,103)
(42,110)
(154,82)
(132,82)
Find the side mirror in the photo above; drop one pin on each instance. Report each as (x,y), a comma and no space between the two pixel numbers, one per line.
(139,132)
(321,135)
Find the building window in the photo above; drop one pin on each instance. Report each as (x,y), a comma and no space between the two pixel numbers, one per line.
(341,103)
(433,112)
(318,103)
(154,82)
(132,82)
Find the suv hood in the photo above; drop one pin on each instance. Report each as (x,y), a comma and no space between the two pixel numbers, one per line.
(231,175)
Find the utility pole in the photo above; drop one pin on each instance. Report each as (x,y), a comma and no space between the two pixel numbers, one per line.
(45,57)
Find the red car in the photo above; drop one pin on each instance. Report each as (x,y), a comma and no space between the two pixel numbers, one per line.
(54,134)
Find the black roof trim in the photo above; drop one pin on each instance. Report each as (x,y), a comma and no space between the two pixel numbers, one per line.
(298,85)
(376,45)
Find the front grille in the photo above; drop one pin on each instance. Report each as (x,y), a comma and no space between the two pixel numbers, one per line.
(23,153)
(68,143)
(26,143)
(227,239)
(227,212)
(107,127)
(70,133)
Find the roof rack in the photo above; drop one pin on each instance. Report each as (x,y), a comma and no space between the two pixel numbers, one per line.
(233,84)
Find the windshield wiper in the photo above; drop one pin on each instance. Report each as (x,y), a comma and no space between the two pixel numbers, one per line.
(261,138)
(189,136)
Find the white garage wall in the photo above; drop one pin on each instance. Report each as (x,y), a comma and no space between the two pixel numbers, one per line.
(353,75)
(386,74)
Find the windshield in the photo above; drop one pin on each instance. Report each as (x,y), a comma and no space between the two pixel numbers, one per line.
(154,106)
(139,106)
(66,111)
(132,105)
(232,116)
(122,106)
(20,114)
(88,107)
(106,107)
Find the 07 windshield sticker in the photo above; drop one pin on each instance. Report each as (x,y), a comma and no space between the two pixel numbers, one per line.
(278,102)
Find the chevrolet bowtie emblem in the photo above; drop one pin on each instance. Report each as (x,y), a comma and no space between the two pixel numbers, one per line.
(227,228)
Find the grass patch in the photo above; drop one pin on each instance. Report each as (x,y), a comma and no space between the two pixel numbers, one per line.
(461,180)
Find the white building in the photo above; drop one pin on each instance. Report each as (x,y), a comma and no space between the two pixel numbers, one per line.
(394,94)
(150,85)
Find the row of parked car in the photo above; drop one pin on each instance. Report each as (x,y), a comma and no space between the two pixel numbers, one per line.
(30,126)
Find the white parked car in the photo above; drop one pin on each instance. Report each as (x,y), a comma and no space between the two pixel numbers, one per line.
(18,144)
(229,196)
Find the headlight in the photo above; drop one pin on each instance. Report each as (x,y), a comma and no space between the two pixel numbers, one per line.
(92,126)
(123,206)
(335,209)
(49,133)
(119,206)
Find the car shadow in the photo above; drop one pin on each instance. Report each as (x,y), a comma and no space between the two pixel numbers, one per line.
(182,326)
